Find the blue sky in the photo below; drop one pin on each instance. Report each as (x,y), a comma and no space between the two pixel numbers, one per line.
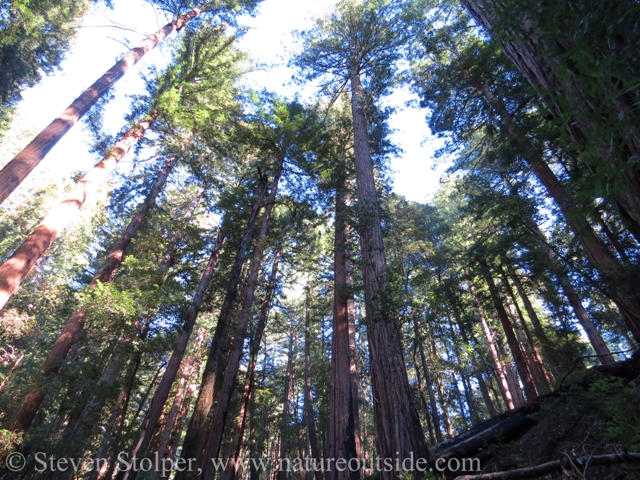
(99,44)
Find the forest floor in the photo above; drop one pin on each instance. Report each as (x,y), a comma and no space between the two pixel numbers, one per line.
(594,415)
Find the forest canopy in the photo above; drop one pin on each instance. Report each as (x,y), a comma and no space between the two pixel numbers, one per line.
(237,279)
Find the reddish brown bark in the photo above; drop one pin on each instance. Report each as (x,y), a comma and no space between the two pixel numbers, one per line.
(109,443)
(343,441)
(435,417)
(218,422)
(308,393)
(542,377)
(286,403)
(399,431)
(512,340)
(187,367)
(596,340)
(27,410)
(24,162)
(15,269)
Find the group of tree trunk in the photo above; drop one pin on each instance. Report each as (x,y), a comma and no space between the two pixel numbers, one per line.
(260,294)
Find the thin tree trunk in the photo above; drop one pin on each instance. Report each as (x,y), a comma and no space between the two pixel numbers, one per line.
(537,358)
(441,397)
(596,340)
(423,399)
(488,335)
(286,403)
(14,270)
(308,393)
(435,417)
(162,393)
(399,431)
(547,347)
(208,439)
(476,372)
(512,340)
(24,415)
(623,291)
(218,422)
(24,162)
(187,368)
(109,442)
(247,391)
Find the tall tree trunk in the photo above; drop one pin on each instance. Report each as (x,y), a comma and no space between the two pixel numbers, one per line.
(527,351)
(214,435)
(465,339)
(196,438)
(343,412)
(537,358)
(162,393)
(623,291)
(187,367)
(488,335)
(435,417)
(441,397)
(547,347)
(596,340)
(247,391)
(539,62)
(24,162)
(512,340)
(308,393)
(397,422)
(27,410)
(286,403)
(423,399)
(109,443)
(14,270)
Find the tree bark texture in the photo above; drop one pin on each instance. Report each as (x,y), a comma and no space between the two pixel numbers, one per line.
(397,422)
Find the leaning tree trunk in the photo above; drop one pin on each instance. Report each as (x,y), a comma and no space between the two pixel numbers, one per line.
(213,437)
(164,388)
(308,393)
(495,355)
(27,410)
(109,443)
(286,402)
(205,394)
(512,340)
(399,431)
(435,418)
(15,269)
(622,289)
(596,340)
(188,368)
(541,63)
(24,162)
(342,429)
(247,391)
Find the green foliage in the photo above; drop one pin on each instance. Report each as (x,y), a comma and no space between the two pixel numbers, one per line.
(34,36)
